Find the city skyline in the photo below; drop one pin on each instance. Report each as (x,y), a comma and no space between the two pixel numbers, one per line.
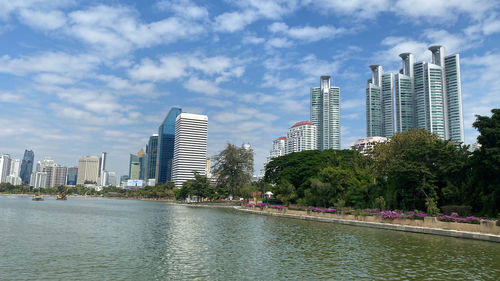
(72,85)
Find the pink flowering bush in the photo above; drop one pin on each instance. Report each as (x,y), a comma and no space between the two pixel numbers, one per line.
(391,215)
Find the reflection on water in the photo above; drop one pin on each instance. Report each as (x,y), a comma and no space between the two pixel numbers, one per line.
(104,239)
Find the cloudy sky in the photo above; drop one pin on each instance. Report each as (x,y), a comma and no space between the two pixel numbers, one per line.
(79,78)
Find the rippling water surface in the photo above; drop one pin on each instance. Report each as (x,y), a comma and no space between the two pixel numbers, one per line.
(105,239)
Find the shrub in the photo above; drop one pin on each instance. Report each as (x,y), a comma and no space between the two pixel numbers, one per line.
(432,208)
(380,203)
(460,210)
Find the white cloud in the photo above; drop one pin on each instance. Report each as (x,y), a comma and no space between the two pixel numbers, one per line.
(356,8)
(201,86)
(306,33)
(184,8)
(176,66)
(45,20)
(12,98)
(252,10)
(168,68)
(253,40)
(55,62)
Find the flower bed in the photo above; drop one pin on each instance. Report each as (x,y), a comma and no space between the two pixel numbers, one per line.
(415,215)
(323,210)
(278,207)
(297,208)
(391,215)
(455,218)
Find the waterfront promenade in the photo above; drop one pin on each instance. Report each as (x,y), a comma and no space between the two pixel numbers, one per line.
(484,231)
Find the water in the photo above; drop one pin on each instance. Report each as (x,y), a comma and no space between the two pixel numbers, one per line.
(109,239)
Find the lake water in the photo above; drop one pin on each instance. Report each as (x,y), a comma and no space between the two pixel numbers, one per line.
(109,239)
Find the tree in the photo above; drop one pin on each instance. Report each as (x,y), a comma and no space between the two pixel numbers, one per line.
(233,167)
(200,186)
(416,166)
(486,165)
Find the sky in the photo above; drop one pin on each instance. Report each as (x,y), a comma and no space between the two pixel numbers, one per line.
(82,77)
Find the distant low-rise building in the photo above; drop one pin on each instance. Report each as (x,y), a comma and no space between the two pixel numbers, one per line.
(365,146)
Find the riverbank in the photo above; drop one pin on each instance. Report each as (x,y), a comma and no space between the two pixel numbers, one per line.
(330,218)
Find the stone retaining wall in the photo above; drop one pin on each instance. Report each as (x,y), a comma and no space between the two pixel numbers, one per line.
(486,230)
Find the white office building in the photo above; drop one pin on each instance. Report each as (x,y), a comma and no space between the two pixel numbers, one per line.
(88,170)
(301,136)
(325,114)
(190,147)
(38,180)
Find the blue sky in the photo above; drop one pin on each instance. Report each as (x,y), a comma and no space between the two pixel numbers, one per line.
(79,78)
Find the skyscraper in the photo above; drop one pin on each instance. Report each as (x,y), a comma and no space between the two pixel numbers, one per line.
(102,168)
(143,162)
(428,95)
(404,94)
(72,175)
(27,166)
(4,167)
(325,114)
(301,136)
(134,168)
(165,152)
(38,179)
(152,152)
(88,170)
(56,175)
(379,104)
(190,150)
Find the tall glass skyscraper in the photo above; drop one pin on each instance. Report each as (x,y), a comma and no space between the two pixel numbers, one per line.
(27,166)
(152,152)
(325,114)
(428,95)
(379,103)
(165,151)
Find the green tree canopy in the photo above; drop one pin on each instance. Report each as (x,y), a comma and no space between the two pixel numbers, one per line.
(233,167)
(486,165)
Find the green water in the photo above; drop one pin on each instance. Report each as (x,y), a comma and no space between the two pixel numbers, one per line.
(105,239)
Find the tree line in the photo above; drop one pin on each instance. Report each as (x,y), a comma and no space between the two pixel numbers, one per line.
(413,170)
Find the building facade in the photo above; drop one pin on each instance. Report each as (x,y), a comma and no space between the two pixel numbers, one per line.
(279,148)
(428,95)
(38,179)
(72,175)
(365,146)
(56,175)
(165,150)
(379,103)
(4,167)
(134,168)
(88,170)
(152,152)
(301,136)
(325,114)
(27,166)
(190,150)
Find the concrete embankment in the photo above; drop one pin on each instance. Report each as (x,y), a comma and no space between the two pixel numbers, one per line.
(381,225)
